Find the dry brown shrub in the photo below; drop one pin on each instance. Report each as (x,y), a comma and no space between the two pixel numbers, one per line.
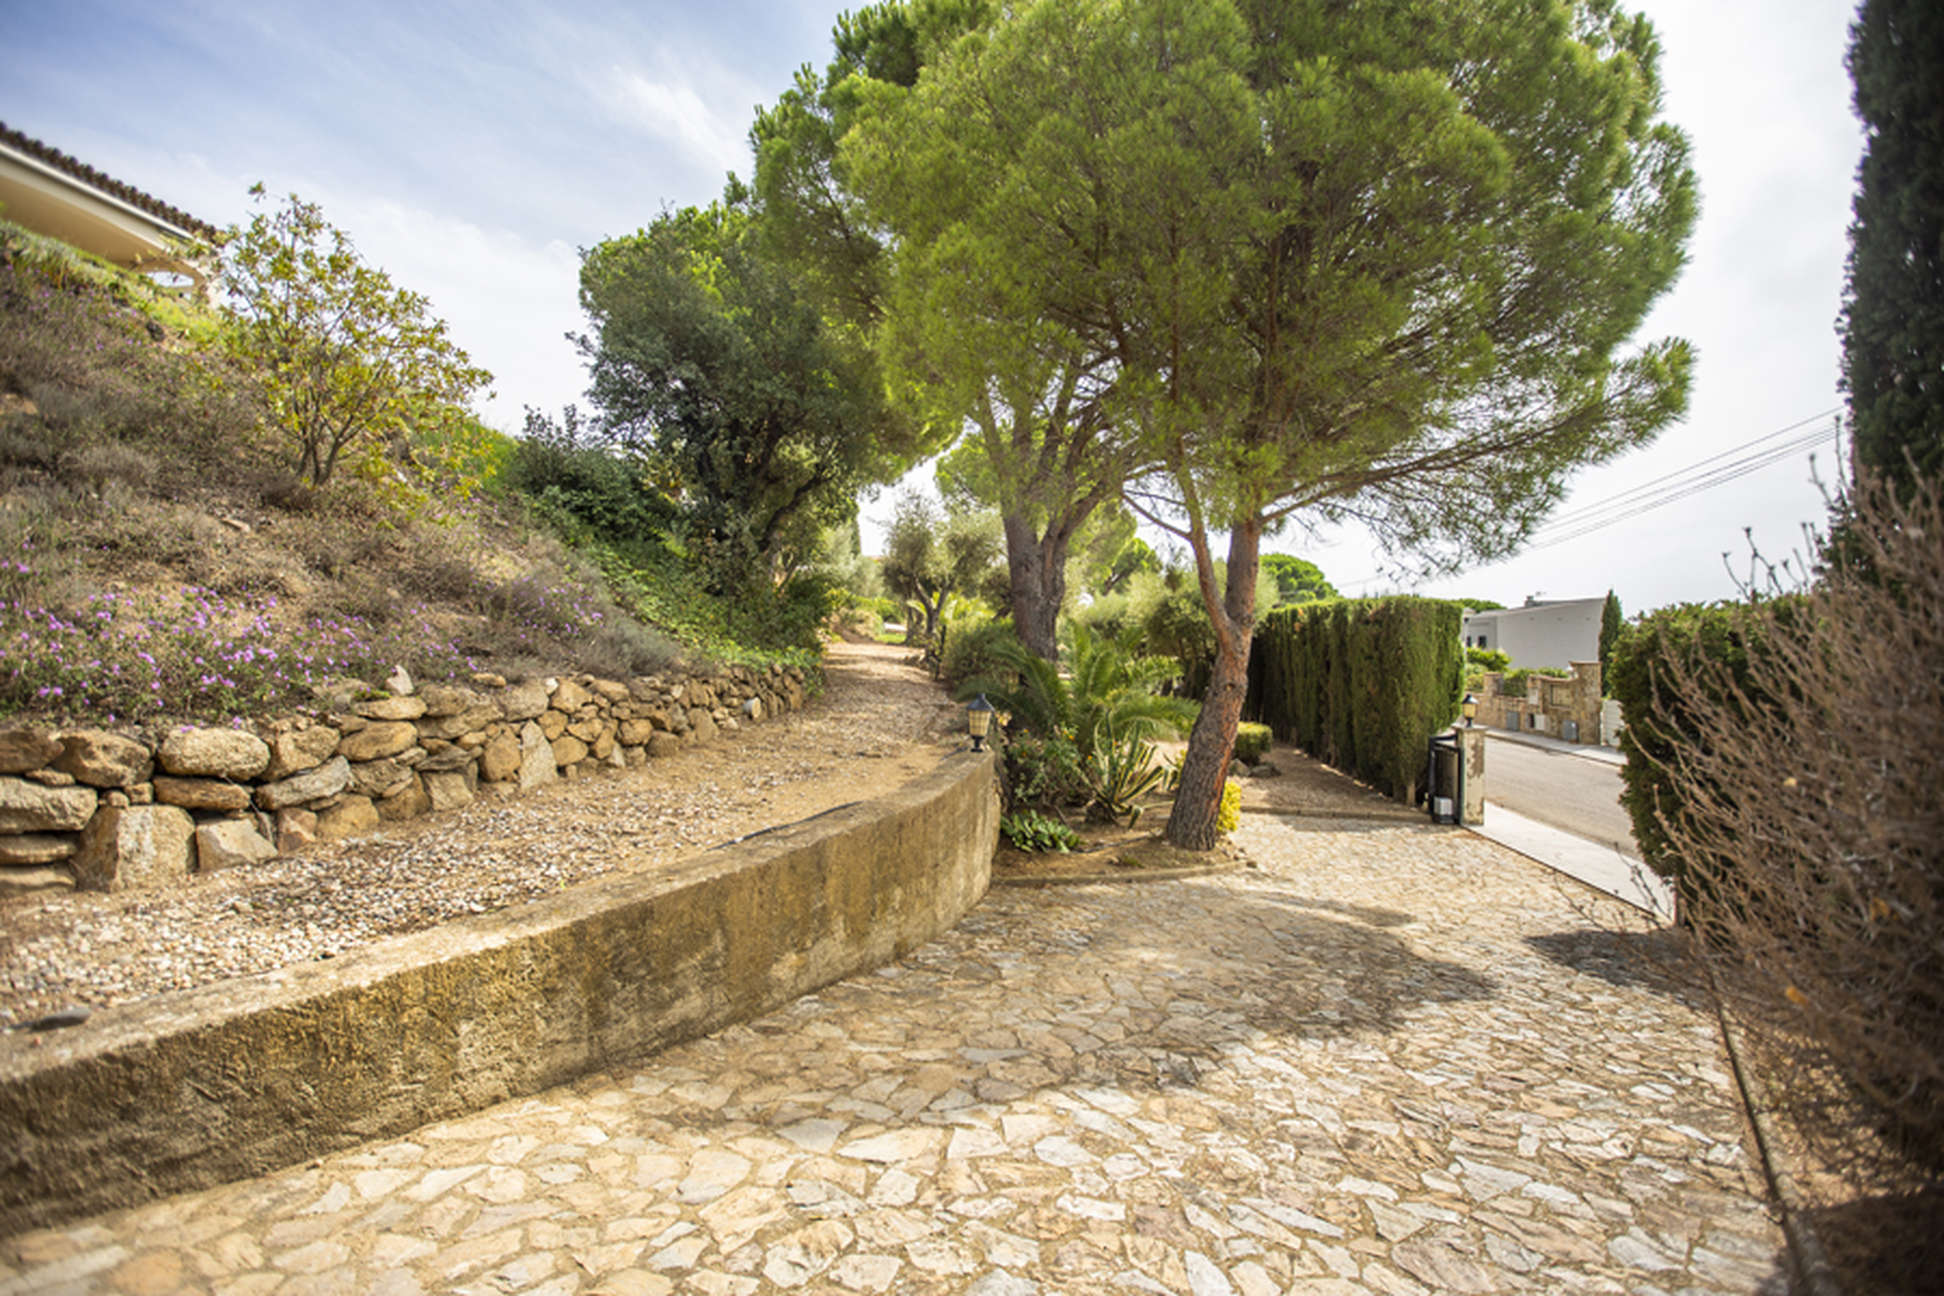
(1812,829)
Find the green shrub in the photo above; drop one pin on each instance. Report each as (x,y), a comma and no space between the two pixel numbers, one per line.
(1252,742)
(1651,662)
(1228,816)
(1044,773)
(1359,684)
(978,651)
(1029,830)
(1517,683)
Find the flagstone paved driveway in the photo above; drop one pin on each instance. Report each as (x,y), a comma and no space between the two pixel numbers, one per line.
(1391,1058)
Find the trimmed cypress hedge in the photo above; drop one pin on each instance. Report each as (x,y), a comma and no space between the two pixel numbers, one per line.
(1660,716)
(1360,684)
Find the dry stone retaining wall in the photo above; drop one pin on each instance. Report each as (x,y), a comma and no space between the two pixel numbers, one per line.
(115,810)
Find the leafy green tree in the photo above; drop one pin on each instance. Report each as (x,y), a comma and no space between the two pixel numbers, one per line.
(1377,261)
(348,363)
(1296,580)
(929,556)
(1108,553)
(1611,624)
(710,359)
(1893,323)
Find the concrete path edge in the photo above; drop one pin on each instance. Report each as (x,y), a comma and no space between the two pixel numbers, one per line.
(204,1086)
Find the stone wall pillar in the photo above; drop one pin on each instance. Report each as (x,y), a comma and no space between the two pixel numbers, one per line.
(1471,750)
(1586,700)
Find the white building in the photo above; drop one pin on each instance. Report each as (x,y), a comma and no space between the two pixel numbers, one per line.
(1545,632)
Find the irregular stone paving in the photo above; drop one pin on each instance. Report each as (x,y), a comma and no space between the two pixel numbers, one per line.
(1393,1059)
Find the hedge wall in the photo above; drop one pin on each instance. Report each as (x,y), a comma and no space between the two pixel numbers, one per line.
(1659,716)
(1360,684)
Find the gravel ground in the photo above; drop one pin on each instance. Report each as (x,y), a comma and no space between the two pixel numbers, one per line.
(877,724)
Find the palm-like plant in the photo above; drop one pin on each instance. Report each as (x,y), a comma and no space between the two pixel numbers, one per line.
(1107,694)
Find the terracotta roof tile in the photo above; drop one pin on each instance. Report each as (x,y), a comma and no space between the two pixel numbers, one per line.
(107,184)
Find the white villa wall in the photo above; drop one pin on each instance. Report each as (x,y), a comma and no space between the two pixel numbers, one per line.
(1539,634)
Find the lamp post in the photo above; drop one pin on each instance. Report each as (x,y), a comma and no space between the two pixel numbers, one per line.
(978,719)
(1470,707)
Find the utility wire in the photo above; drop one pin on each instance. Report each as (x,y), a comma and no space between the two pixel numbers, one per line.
(1670,488)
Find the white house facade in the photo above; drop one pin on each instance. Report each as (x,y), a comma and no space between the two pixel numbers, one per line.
(1545,632)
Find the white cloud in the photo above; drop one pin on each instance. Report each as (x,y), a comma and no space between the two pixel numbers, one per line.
(672,111)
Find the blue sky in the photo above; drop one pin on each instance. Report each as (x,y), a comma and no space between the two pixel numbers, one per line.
(472,149)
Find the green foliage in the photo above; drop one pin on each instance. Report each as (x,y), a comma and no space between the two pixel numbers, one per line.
(1611,624)
(711,361)
(584,489)
(1044,772)
(1893,322)
(1120,771)
(1177,625)
(1360,684)
(1663,712)
(928,557)
(1106,691)
(978,650)
(1487,659)
(1228,814)
(1292,580)
(754,629)
(347,362)
(1252,742)
(1029,830)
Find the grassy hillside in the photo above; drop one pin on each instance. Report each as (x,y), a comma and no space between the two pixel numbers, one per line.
(159,559)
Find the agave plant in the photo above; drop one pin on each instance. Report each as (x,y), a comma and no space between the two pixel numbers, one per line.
(1120,773)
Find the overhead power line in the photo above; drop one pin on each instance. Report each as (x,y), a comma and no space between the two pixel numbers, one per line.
(1702,475)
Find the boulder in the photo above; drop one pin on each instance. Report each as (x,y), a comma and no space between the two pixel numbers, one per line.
(228,843)
(526,700)
(636,732)
(328,779)
(293,753)
(124,848)
(448,700)
(52,778)
(296,829)
(570,697)
(500,760)
(661,744)
(350,817)
(379,778)
(459,724)
(587,730)
(701,724)
(102,759)
(378,740)
(634,757)
(446,761)
(448,790)
(214,753)
(408,802)
(392,708)
(537,768)
(568,750)
(399,681)
(603,744)
(30,808)
(27,881)
(28,849)
(27,747)
(552,723)
(201,794)
(611,690)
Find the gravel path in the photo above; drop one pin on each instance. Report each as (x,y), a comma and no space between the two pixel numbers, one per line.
(877,724)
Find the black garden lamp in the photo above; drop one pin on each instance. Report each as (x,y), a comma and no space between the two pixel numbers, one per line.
(978,720)
(1470,707)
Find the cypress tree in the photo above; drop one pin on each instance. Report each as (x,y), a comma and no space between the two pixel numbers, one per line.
(1610,625)
(1893,322)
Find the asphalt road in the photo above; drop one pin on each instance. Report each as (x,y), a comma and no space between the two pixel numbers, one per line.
(1572,793)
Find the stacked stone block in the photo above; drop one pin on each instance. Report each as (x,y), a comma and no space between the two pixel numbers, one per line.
(117,810)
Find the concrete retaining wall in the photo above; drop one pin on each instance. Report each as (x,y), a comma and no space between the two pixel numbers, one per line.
(192,1089)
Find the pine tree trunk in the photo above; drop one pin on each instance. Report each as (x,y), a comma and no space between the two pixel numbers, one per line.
(1211,743)
(1036,572)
